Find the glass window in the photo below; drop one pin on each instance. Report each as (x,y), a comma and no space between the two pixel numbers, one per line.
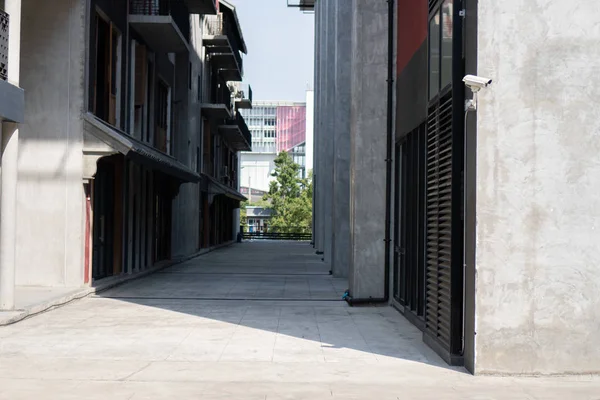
(447,30)
(434,56)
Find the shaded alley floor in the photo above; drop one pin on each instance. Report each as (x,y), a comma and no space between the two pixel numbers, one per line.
(258,320)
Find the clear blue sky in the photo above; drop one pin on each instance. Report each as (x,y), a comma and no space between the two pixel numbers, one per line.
(280,41)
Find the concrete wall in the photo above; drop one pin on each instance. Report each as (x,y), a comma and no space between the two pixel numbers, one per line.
(368,148)
(340,201)
(50,199)
(538,282)
(320,29)
(187,141)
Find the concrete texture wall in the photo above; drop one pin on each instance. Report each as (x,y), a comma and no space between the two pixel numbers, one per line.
(50,199)
(538,286)
(320,30)
(328,125)
(186,138)
(368,148)
(184,141)
(341,140)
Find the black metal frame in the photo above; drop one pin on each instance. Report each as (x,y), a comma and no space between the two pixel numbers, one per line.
(444,275)
(301,237)
(409,263)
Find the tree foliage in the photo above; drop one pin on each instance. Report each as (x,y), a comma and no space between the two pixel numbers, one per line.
(290,197)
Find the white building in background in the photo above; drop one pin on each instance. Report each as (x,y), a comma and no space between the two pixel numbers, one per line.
(275,126)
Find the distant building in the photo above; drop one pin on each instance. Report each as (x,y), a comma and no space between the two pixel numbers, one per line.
(258,219)
(257,195)
(276,126)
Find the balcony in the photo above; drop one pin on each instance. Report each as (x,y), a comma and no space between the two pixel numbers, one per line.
(220,106)
(242,95)
(236,134)
(224,42)
(203,7)
(164,24)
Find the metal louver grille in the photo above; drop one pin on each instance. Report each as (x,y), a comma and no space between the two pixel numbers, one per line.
(432,4)
(439,221)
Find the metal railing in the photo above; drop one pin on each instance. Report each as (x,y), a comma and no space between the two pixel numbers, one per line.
(241,122)
(298,237)
(4,23)
(174,8)
(243,92)
(217,25)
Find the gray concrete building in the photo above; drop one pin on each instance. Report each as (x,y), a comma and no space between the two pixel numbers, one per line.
(491,223)
(126,150)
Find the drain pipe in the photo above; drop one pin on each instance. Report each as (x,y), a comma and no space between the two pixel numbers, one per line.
(388,173)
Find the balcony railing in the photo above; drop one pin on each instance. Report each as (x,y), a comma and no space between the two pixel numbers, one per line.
(217,25)
(174,8)
(241,122)
(243,92)
(222,95)
(4,23)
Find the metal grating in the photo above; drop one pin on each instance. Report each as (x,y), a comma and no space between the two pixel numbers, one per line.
(432,4)
(4,22)
(439,221)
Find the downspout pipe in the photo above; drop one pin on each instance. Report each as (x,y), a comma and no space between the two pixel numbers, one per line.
(388,173)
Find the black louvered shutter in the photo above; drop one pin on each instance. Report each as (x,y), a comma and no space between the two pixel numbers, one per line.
(443,308)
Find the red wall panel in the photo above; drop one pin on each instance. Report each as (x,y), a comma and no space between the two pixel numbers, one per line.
(412,29)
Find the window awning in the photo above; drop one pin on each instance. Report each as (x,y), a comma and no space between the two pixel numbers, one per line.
(110,140)
(217,188)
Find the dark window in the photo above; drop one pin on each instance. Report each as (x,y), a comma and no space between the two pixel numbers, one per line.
(434,55)
(446,50)
(105,82)
(199,88)
(198,159)
(162,116)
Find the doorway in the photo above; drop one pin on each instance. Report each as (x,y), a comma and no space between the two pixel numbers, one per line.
(410,236)
(108,218)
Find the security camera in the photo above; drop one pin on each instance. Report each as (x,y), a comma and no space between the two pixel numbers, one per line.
(476,83)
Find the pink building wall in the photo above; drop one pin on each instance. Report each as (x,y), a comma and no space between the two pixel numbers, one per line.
(291,127)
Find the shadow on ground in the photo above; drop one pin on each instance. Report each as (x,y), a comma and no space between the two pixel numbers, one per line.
(271,301)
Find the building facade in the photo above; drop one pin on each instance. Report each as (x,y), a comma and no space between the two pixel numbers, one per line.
(275,127)
(483,234)
(127,150)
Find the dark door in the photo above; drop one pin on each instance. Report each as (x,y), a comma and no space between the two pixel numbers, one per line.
(104,213)
(409,266)
(162,220)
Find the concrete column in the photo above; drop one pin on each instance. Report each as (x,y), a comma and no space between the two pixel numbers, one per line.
(328,128)
(368,148)
(341,141)
(319,150)
(317,91)
(9,152)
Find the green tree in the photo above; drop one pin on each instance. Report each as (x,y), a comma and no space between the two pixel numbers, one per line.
(290,197)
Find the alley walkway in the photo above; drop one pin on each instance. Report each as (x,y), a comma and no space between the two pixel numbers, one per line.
(258,320)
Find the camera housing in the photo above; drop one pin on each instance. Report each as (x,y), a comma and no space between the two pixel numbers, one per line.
(476,83)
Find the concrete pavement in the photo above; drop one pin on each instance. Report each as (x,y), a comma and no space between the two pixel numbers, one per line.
(254,321)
